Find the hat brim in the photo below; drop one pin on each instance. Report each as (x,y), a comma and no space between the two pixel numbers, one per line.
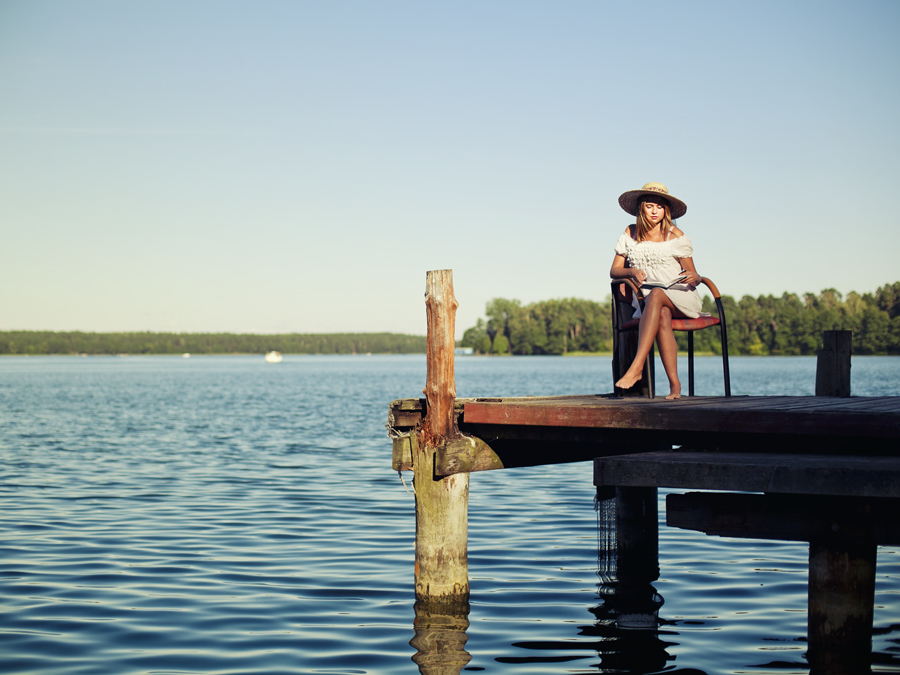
(629,201)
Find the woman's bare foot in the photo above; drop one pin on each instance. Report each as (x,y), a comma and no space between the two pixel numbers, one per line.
(628,380)
(675,392)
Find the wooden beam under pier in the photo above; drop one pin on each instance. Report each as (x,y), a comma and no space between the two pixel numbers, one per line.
(860,476)
(785,517)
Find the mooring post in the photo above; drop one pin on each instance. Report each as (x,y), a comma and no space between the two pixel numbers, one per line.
(442,503)
(833,364)
(841,571)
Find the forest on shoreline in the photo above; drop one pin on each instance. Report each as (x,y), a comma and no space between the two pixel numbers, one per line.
(766,325)
(788,325)
(34,343)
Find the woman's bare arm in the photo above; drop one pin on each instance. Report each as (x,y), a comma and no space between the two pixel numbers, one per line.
(619,270)
(692,278)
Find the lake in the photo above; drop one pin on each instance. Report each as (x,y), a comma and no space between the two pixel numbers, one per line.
(222,515)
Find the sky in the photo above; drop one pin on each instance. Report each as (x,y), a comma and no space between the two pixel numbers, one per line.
(273,166)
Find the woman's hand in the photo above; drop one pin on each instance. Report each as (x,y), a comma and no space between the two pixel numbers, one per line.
(638,275)
(691,278)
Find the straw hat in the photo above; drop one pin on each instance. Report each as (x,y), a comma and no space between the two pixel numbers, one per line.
(631,199)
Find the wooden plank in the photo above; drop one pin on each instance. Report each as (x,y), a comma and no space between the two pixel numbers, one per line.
(883,404)
(405,413)
(403,419)
(401,453)
(465,455)
(784,517)
(866,476)
(859,404)
(866,404)
(793,403)
(728,416)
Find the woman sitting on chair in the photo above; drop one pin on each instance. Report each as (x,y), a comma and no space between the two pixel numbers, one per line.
(654,252)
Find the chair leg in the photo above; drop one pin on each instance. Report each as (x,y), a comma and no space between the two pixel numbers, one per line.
(690,363)
(650,372)
(723,333)
(615,359)
(725,369)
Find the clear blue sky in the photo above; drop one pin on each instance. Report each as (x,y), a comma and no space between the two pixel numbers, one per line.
(279,166)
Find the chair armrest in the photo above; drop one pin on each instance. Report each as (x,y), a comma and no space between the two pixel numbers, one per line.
(628,282)
(711,286)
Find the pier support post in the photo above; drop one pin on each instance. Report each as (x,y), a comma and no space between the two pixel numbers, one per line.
(637,533)
(628,572)
(442,504)
(833,364)
(841,607)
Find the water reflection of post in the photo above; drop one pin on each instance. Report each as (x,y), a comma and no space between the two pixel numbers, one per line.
(629,564)
(441,637)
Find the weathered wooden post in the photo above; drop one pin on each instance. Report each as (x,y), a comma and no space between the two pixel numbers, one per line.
(628,556)
(841,571)
(442,503)
(841,606)
(833,364)
(637,533)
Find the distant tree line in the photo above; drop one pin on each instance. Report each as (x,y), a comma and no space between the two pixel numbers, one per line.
(43,342)
(546,327)
(790,324)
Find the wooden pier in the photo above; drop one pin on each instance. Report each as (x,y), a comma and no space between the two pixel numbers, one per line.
(827,470)
(512,432)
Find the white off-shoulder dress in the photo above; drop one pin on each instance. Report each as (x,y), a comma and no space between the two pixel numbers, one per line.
(659,261)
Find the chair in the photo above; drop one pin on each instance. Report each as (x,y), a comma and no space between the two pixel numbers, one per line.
(622,289)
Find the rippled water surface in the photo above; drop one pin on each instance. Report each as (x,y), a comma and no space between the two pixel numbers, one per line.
(222,515)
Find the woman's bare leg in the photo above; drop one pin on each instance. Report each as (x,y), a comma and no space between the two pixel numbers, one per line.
(668,352)
(650,320)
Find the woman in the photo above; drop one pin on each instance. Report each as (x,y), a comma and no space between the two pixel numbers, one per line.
(655,250)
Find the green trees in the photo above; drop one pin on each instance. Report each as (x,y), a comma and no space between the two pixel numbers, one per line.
(790,324)
(42,342)
(547,327)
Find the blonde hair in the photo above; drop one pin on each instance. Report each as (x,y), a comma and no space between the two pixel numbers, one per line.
(644,227)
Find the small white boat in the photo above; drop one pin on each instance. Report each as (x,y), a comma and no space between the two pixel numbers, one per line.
(186,355)
(273,357)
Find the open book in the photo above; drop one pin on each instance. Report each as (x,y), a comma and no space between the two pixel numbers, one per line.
(661,284)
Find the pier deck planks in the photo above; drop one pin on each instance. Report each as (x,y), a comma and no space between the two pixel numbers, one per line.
(516,432)
(875,418)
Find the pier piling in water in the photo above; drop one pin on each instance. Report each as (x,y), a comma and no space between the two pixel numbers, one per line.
(841,606)
(442,502)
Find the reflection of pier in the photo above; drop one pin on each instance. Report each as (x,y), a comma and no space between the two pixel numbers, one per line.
(828,468)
